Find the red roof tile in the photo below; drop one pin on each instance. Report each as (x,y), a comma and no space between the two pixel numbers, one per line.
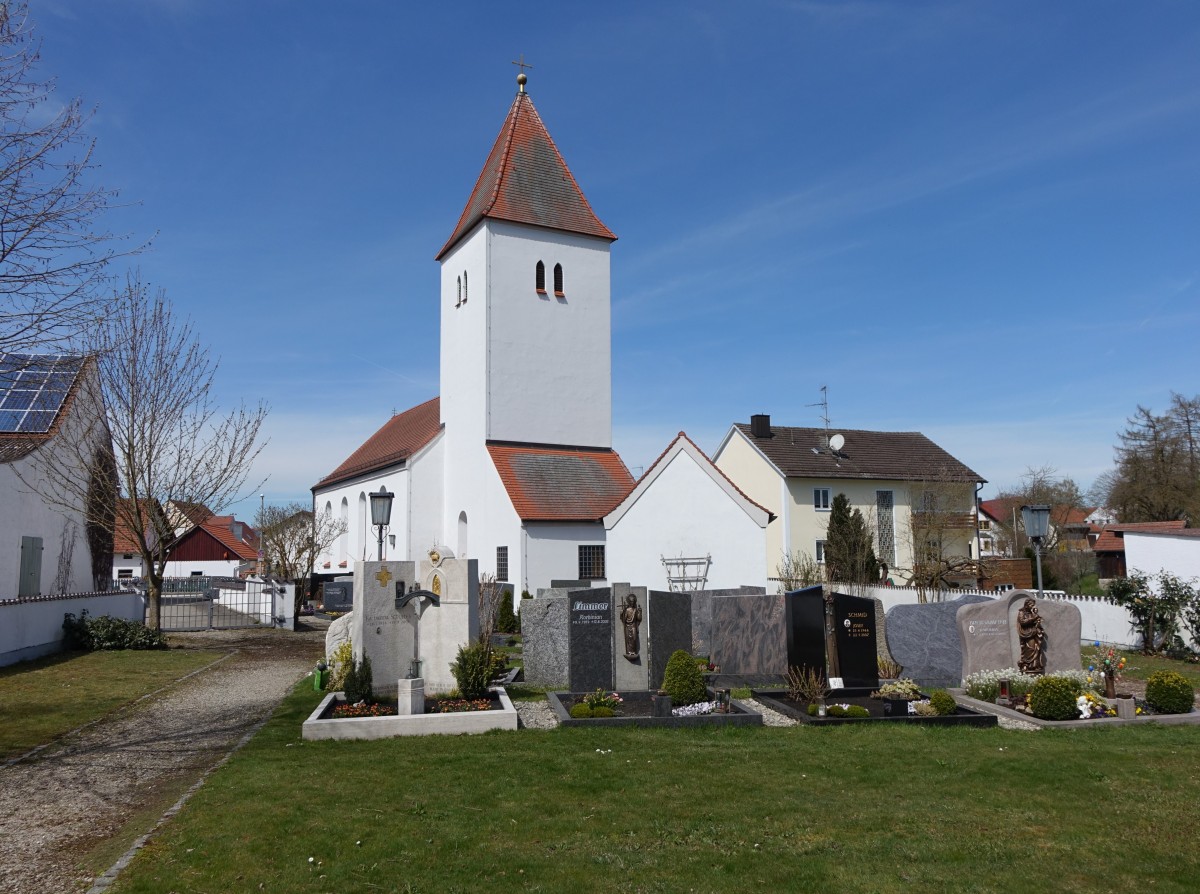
(525,180)
(561,483)
(1112,538)
(400,437)
(220,527)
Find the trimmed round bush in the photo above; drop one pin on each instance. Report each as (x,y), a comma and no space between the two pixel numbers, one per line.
(1053,698)
(942,702)
(581,710)
(1169,692)
(472,669)
(603,711)
(683,680)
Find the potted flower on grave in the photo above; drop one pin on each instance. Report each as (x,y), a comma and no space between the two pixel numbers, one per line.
(898,697)
(1108,665)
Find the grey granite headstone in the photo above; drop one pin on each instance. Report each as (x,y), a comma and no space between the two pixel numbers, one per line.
(924,640)
(670,630)
(990,637)
(702,624)
(544,647)
(379,630)
(630,674)
(590,639)
(338,596)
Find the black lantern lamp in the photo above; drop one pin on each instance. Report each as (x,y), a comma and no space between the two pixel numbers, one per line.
(381,513)
(1037,525)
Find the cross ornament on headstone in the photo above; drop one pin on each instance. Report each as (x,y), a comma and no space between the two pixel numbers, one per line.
(383,576)
(415,596)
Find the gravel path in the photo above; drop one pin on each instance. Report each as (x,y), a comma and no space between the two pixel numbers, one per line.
(58,803)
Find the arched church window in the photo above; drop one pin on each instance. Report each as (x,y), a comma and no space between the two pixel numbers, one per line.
(558,280)
(458,303)
(464,301)
(539,278)
(462,535)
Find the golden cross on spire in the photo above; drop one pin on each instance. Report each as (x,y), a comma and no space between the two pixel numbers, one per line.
(521,78)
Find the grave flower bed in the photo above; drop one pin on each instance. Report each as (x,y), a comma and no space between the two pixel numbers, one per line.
(857,706)
(637,709)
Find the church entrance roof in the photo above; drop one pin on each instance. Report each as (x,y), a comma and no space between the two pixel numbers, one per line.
(399,438)
(561,483)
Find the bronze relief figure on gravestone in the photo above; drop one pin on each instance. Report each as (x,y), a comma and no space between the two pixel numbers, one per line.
(631,619)
(1033,639)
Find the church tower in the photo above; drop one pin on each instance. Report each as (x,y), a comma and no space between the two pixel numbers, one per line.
(525,300)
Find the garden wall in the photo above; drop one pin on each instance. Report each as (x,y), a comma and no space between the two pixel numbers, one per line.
(32,627)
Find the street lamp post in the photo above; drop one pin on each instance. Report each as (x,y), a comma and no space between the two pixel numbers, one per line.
(381,513)
(1037,525)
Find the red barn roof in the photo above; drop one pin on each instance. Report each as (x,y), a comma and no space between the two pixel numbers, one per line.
(525,180)
(561,483)
(1112,538)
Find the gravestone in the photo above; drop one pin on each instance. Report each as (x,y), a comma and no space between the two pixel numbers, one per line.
(991,639)
(377,629)
(818,623)
(748,634)
(630,642)
(924,640)
(590,640)
(338,596)
(670,629)
(545,650)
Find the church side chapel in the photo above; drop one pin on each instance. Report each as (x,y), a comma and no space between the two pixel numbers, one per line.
(512,463)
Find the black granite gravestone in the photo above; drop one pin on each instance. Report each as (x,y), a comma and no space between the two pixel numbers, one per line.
(854,627)
(804,615)
(589,640)
(670,620)
(338,596)
(853,622)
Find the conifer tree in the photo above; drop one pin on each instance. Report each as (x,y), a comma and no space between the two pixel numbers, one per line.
(849,553)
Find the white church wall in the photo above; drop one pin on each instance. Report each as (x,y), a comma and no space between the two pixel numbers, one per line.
(423,513)
(554,388)
(551,550)
(501,526)
(464,345)
(360,540)
(684,513)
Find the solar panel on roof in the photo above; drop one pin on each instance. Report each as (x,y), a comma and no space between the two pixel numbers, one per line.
(33,388)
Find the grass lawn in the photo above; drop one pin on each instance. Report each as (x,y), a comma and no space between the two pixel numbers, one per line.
(42,699)
(1139,666)
(847,809)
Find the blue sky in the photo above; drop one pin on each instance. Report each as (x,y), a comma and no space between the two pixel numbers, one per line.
(976,220)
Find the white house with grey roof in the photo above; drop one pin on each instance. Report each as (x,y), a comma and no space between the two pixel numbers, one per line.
(795,473)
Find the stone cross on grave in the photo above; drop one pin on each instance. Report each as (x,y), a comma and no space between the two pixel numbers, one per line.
(414,596)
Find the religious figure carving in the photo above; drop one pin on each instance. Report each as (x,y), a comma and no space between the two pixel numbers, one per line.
(631,618)
(1033,639)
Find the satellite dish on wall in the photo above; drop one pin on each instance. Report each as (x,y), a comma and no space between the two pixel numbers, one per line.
(837,442)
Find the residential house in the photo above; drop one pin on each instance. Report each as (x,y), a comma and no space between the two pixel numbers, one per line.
(220,546)
(917,498)
(1110,545)
(50,419)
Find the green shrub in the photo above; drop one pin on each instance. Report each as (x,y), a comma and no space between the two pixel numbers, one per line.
(506,618)
(358,682)
(106,633)
(683,680)
(603,711)
(581,710)
(1053,698)
(1169,692)
(905,689)
(472,669)
(943,702)
(839,711)
(740,692)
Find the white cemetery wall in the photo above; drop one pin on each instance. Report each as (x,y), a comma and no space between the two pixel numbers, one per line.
(30,628)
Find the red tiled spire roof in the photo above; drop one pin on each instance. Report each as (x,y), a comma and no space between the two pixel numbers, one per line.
(525,180)
(561,483)
(400,437)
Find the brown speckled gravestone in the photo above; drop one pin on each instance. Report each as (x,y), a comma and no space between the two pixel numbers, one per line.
(988,631)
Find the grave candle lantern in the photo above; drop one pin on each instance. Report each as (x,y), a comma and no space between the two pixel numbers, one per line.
(1005,693)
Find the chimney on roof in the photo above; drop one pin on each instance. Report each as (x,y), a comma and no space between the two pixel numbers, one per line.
(760,425)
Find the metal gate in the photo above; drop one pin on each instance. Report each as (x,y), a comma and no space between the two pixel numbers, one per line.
(216,603)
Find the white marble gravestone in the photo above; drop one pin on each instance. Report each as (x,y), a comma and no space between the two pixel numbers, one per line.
(391,636)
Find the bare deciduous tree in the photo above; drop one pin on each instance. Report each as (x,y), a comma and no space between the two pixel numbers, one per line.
(53,254)
(941,530)
(154,381)
(292,538)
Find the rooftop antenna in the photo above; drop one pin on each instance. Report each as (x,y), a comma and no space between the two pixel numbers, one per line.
(823,403)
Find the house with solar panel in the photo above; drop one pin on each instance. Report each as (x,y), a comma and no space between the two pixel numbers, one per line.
(46,406)
(512,463)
